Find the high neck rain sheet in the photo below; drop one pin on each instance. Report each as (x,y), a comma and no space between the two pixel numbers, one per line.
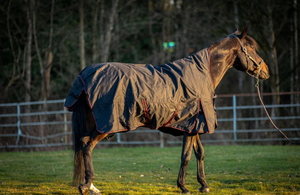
(174,98)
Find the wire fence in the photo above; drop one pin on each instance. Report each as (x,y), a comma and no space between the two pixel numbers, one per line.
(240,118)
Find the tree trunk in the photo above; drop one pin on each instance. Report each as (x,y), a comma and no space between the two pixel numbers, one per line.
(47,65)
(117,39)
(36,43)
(236,14)
(81,35)
(46,79)
(273,58)
(15,76)
(108,34)
(292,75)
(296,71)
(155,59)
(240,76)
(95,20)
(166,30)
(185,28)
(28,55)
(101,28)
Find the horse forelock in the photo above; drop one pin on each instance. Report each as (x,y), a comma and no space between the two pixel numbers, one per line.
(252,42)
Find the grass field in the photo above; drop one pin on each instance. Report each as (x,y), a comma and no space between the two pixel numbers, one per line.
(147,170)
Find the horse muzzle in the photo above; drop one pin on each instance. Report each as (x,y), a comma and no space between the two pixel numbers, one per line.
(264,72)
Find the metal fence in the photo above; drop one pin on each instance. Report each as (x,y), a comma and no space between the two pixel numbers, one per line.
(52,128)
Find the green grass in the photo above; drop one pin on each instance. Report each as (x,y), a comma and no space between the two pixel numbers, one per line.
(146,170)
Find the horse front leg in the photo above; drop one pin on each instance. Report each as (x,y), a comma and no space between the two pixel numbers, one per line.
(199,153)
(88,144)
(187,148)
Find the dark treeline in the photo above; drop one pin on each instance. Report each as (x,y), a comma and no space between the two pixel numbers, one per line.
(45,44)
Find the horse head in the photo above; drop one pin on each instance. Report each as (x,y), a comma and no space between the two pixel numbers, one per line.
(247,59)
(236,50)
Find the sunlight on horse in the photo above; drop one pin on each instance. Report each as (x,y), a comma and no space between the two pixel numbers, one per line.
(176,98)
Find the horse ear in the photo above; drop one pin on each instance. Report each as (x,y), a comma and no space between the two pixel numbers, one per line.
(244,33)
(235,31)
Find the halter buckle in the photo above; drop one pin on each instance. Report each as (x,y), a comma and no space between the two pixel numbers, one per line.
(257,82)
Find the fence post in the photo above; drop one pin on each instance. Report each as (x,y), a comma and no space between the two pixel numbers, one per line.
(234,117)
(19,123)
(161,135)
(118,138)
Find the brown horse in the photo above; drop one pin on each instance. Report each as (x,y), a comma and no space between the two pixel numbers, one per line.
(236,50)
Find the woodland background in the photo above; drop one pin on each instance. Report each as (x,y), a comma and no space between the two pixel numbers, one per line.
(45,44)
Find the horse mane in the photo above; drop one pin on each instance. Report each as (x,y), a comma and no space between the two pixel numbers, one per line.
(249,40)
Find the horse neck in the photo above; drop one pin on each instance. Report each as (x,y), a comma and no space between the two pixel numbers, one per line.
(222,58)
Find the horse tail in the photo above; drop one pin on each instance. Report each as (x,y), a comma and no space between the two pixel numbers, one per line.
(78,129)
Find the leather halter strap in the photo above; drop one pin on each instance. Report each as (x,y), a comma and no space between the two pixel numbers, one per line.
(259,65)
(248,57)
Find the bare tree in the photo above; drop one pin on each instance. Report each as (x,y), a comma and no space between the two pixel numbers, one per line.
(28,54)
(272,55)
(108,33)
(16,74)
(292,78)
(48,58)
(95,22)
(151,21)
(297,88)
(81,35)
(46,64)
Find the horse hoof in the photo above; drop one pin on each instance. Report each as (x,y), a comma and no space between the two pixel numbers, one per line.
(204,190)
(83,189)
(95,193)
(94,190)
(186,191)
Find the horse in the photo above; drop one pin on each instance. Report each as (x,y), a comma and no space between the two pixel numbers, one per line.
(185,105)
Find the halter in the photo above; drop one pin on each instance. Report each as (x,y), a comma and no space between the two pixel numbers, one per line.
(259,65)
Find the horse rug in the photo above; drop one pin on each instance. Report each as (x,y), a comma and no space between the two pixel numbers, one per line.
(174,98)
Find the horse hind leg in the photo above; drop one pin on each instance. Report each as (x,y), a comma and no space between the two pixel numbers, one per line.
(85,139)
(187,148)
(199,153)
(88,144)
